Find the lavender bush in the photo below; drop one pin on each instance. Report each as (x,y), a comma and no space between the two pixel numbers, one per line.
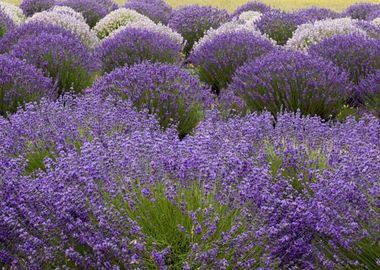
(239,193)
(157,10)
(175,96)
(192,22)
(313,14)
(6,24)
(13,12)
(20,83)
(357,55)
(369,92)
(33,6)
(217,58)
(279,25)
(292,81)
(361,11)
(63,58)
(370,28)
(133,45)
(251,6)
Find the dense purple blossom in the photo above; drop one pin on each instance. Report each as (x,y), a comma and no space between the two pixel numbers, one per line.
(63,58)
(192,22)
(313,14)
(289,190)
(92,10)
(361,11)
(6,24)
(356,55)
(292,81)
(369,92)
(218,58)
(33,6)
(279,25)
(134,45)
(27,30)
(20,83)
(168,91)
(370,28)
(157,10)
(252,6)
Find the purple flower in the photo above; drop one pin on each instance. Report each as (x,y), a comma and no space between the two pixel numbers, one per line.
(251,6)
(27,30)
(361,11)
(279,25)
(218,58)
(192,22)
(370,28)
(356,55)
(6,24)
(92,10)
(175,96)
(20,83)
(157,10)
(313,14)
(134,45)
(292,81)
(33,6)
(63,58)
(369,92)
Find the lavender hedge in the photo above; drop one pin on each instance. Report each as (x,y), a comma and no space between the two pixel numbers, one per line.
(157,10)
(33,6)
(6,24)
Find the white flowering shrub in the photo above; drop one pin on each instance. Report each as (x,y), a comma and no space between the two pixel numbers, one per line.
(69,22)
(68,11)
(116,19)
(13,12)
(313,33)
(377,21)
(229,27)
(153,27)
(250,16)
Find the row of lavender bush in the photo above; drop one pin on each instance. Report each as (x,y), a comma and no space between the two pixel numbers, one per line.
(147,137)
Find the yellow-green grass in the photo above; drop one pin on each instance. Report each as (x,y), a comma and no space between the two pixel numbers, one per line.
(283,4)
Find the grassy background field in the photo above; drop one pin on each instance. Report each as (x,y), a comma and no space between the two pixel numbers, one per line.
(283,4)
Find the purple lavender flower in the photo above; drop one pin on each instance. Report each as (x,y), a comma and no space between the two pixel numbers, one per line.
(370,28)
(33,6)
(134,45)
(292,81)
(251,6)
(218,58)
(279,25)
(92,10)
(369,92)
(361,11)
(27,30)
(20,83)
(6,24)
(357,55)
(156,10)
(165,90)
(313,14)
(64,59)
(192,22)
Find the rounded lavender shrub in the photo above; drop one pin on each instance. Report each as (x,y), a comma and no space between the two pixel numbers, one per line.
(156,10)
(292,81)
(279,25)
(20,83)
(361,11)
(217,58)
(6,24)
(134,45)
(27,30)
(192,22)
(92,10)
(33,6)
(369,92)
(313,14)
(174,95)
(63,58)
(356,55)
(251,6)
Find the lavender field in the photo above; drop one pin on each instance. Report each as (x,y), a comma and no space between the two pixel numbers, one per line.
(143,136)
